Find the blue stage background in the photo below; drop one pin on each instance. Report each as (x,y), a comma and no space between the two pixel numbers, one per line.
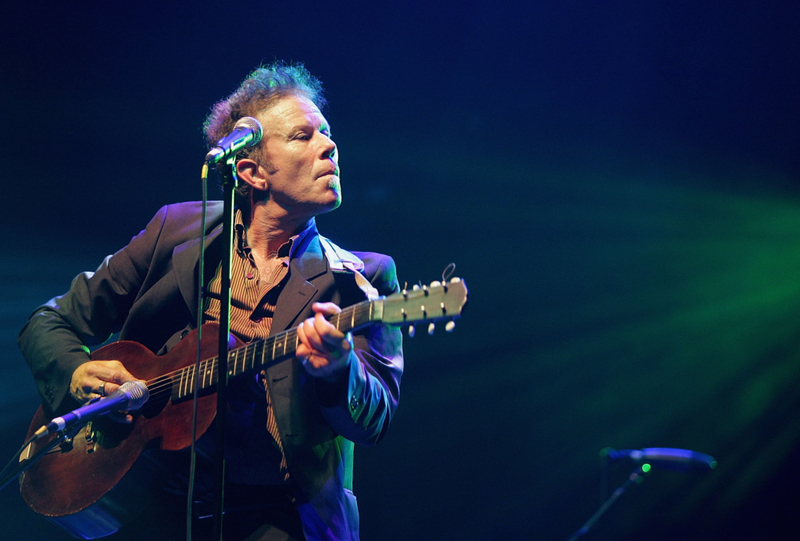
(618,183)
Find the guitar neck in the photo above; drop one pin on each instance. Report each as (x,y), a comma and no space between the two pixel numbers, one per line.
(440,301)
(262,353)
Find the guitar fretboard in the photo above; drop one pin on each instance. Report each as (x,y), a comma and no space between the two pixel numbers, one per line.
(262,353)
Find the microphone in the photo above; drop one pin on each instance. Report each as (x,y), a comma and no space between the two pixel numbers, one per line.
(246,132)
(665,457)
(131,395)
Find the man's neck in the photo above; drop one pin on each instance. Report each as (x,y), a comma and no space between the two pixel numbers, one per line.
(268,231)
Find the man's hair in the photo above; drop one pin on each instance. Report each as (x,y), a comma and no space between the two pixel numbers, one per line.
(259,91)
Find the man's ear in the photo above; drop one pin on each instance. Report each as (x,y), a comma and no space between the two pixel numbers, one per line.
(250,172)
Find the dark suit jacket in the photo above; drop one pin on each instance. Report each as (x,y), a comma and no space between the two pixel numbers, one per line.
(147,293)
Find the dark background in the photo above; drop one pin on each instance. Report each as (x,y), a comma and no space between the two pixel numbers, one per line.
(618,182)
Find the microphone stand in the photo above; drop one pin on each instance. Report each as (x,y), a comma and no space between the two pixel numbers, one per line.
(228,187)
(634,476)
(25,463)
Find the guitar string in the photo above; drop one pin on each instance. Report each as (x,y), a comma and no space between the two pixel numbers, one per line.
(166,382)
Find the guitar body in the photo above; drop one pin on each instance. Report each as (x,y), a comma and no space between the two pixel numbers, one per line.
(74,476)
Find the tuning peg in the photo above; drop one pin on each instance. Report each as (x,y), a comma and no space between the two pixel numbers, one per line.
(411,331)
(450,326)
(436,283)
(431,328)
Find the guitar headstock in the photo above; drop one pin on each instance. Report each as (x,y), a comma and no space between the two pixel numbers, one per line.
(440,301)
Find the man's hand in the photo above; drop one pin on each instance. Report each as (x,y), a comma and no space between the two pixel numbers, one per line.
(324,351)
(99,378)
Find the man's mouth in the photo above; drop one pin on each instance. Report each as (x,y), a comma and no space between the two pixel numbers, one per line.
(334,172)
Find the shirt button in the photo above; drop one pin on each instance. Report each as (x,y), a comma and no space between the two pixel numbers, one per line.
(250,276)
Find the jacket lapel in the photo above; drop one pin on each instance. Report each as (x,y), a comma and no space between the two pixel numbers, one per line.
(299,291)
(185,260)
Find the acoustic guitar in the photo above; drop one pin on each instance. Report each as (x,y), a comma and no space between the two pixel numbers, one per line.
(69,483)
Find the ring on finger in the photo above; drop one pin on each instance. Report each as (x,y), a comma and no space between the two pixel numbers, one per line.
(102,389)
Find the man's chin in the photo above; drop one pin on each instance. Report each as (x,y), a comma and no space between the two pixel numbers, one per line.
(335,205)
(332,204)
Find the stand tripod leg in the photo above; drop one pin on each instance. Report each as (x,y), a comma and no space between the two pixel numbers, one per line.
(608,503)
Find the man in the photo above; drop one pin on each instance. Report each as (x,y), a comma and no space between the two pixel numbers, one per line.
(290,431)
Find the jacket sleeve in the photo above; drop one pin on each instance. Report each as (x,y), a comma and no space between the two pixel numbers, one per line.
(361,407)
(56,337)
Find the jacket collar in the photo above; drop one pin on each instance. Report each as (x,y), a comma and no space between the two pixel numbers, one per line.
(308,262)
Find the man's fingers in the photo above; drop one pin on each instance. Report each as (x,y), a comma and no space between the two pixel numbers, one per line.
(323,349)
(98,378)
(326,308)
(328,334)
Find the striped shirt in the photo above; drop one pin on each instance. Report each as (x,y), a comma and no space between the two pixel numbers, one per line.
(253,455)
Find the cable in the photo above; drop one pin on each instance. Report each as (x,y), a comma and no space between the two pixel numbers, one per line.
(200,288)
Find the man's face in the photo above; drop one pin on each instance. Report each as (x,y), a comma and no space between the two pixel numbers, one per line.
(299,159)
